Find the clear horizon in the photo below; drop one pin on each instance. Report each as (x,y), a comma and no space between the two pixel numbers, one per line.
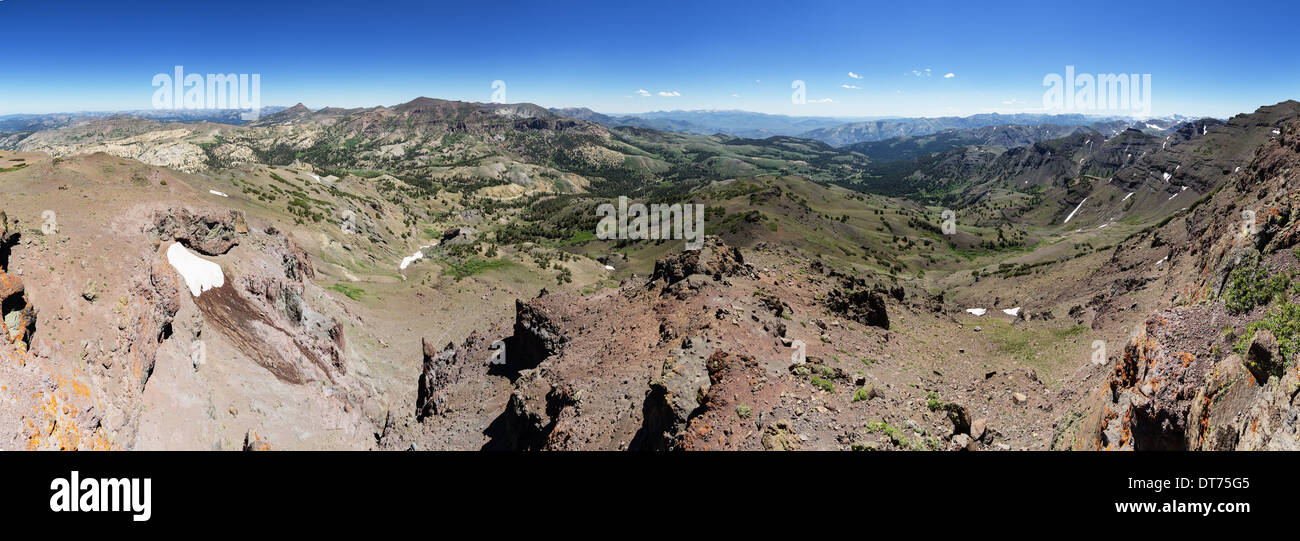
(616,114)
(854,60)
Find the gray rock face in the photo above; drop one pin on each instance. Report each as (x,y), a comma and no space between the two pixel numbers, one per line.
(264,310)
(439,370)
(459,235)
(1162,398)
(210,232)
(672,398)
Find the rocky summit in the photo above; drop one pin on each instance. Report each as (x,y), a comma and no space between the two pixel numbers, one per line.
(865,227)
(439,285)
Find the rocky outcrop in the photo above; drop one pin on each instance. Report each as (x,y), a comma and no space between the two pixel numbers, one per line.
(862,306)
(1177,386)
(538,416)
(209,232)
(459,235)
(1163,397)
(536,336)
(715,259)
(439,370)
(732,406)
(16,311)
(17,315)
(147,322)
(672,399)
(265,313)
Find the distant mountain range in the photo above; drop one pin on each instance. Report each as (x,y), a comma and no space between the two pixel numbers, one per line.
(35,122)
(876,130)
(905,138)
(709,122)
(843,132)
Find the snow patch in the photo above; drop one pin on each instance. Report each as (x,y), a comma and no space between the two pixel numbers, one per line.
(1013,312)
(214,192)
(418,255)
(607,267)
(1076,209)
(976,311)
(200,274)
(1130,194)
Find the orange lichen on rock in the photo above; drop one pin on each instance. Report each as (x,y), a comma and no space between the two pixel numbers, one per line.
(54,427)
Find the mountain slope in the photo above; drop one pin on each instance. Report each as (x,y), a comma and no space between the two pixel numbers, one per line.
(877,130)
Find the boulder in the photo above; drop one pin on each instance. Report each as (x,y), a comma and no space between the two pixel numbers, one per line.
(961,442)
(780,436)
(863,306)
(978,428)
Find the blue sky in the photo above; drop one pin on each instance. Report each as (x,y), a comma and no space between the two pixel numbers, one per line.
(1205,58)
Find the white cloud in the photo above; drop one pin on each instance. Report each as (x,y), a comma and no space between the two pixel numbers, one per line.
(1012,102)
(823,100)
(735,95)
(644,93)
(854,75)
(671,94)
(921,73)
(851,87)
(949,75)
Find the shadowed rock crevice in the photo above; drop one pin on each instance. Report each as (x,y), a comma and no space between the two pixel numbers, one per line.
(530,419)
(536,337)
(9,236)
(862,306)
